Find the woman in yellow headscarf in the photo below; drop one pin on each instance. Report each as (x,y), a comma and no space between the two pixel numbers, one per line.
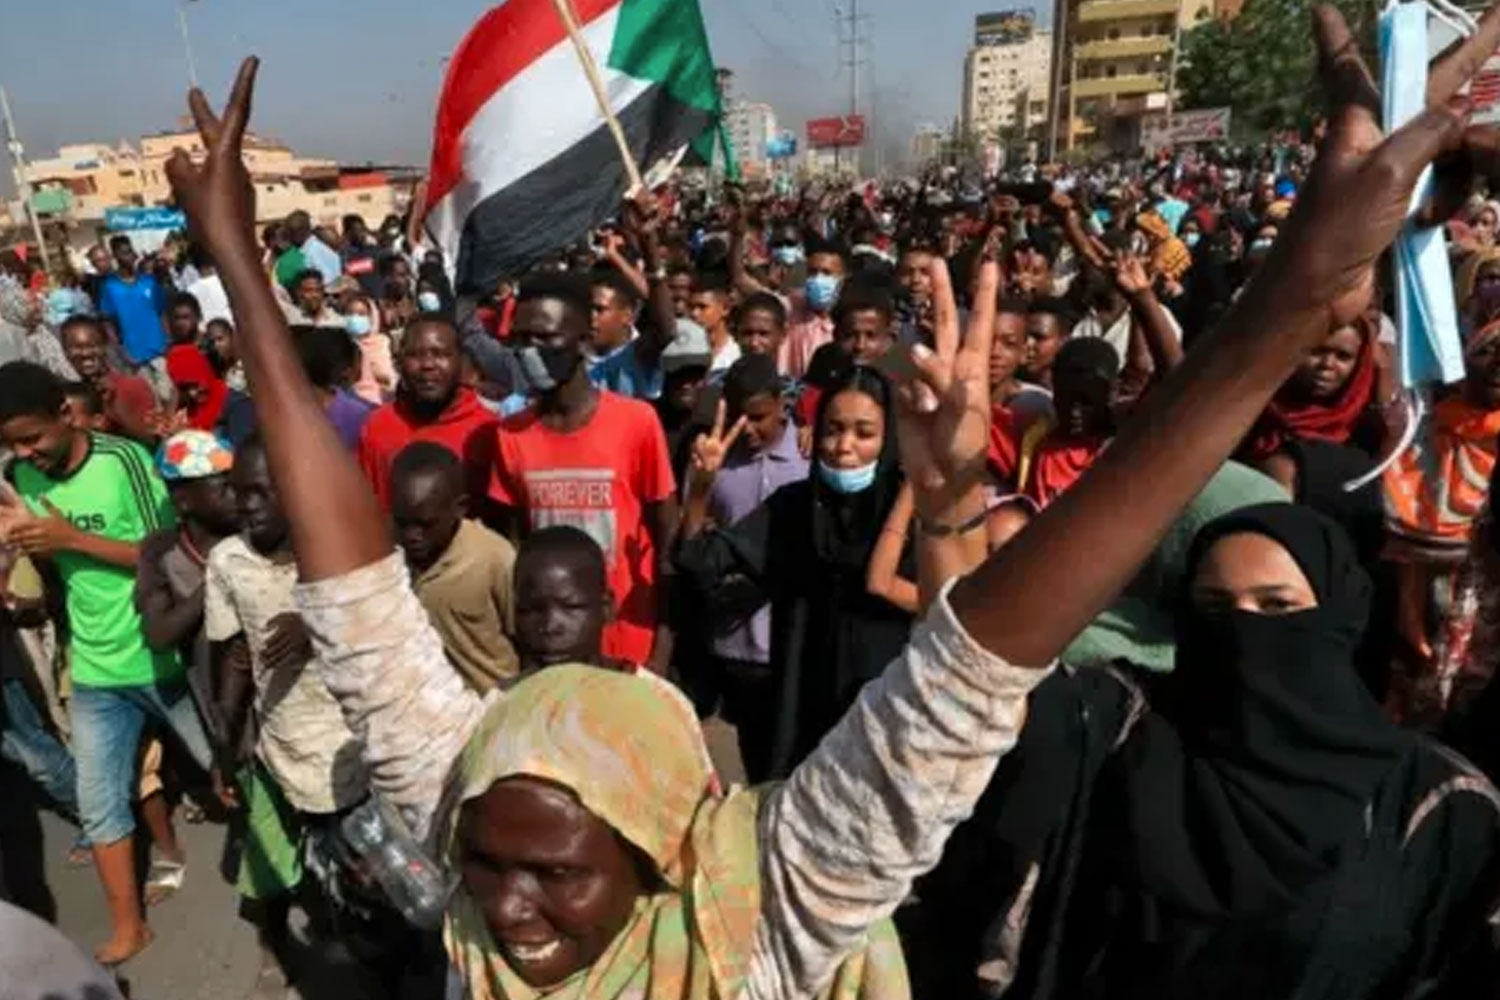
(648,884)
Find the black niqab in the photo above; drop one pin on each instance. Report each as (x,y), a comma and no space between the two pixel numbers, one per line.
(1261,765)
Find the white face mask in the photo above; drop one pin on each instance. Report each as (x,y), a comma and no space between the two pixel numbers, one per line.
(429,302)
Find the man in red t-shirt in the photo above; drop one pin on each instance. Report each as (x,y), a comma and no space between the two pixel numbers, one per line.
(588,458)
(430,405)
(129,402)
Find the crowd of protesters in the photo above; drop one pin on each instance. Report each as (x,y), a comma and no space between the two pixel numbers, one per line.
(1091,620)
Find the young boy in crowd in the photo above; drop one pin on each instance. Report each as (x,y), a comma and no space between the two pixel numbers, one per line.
(562,601)
(589,458)
(760,325)
(170,579)
(185,320)
(764,459)
(85,408)
(711,309)
(1055,452)
(306,767)
(863,335)
(90,500)
(461,570)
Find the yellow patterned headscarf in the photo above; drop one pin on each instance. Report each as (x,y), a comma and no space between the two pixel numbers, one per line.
(1170,257)
(630,748)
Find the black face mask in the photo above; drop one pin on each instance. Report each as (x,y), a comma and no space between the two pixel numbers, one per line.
(546,368)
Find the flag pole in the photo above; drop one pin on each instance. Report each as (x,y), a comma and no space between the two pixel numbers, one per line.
(596,83)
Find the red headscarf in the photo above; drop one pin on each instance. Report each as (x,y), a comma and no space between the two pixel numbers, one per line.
(186,365)
(1333,420)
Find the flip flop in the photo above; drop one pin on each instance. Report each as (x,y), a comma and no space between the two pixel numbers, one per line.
(163,880)
(80,855)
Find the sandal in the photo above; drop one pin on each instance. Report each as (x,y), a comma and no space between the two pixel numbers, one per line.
(80,855)
(163,880)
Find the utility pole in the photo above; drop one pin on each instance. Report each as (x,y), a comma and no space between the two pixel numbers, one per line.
(18,168)
(187,43)
(854,21)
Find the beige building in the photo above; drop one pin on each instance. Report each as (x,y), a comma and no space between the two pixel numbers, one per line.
(1118,66)
(76,186)
(1006,79)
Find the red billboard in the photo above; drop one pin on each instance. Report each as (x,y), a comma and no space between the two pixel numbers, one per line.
(825,133)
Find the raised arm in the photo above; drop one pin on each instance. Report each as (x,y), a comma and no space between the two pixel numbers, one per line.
(870,809)
(379,655)
(658,326)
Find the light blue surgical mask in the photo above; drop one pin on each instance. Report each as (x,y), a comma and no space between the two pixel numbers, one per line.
(1428,345)
(1191,239)
(848,481)
(822,291)
(358,325)
(789,255)
(429,302)
(1261,245)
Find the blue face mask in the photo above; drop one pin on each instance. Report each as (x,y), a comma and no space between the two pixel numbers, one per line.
(429,302)
(1191,239)
(847,481)
(358,325)
(788,256)
(822,291)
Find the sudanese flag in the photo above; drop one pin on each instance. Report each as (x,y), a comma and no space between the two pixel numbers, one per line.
(523,162)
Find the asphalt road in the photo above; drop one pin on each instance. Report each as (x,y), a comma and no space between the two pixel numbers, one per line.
(202,949)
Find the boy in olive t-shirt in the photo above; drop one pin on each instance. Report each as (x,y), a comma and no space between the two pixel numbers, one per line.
(89,501)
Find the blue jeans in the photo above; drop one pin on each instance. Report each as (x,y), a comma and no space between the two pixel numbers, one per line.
(107,724)
(24,740)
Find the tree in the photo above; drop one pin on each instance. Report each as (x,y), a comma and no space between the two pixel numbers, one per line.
(1260,63)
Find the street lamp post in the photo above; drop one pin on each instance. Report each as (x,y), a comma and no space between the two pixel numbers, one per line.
(23,185)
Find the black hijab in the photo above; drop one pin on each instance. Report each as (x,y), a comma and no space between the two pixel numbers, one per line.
(1262,761)
(845,527)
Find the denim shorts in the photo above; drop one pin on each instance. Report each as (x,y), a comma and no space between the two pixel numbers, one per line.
(107,724)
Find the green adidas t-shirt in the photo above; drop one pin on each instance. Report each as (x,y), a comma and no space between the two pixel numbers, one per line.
(117,494)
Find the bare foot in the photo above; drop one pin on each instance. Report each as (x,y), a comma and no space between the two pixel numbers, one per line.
(120,948)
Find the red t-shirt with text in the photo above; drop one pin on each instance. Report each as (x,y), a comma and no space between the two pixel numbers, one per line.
(599,479)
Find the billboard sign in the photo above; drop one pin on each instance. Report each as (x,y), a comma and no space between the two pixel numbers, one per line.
(1006,27)
(781,146)
(127,219)
(1203,125)
(829,133)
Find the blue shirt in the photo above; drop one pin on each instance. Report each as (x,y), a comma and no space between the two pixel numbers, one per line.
(322,258)
(621,372)
(136,308)
(1173,210)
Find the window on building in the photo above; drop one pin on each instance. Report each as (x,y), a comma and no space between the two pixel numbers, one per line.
(365,199)
(1114,33)
(1109,71)
(127,173)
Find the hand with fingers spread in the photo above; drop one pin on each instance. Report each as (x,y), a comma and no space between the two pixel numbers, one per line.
(1357,195)
(1130,275)
(711,449)
(943,421)
(217,195)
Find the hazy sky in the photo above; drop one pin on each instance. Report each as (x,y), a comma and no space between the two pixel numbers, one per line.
(357,79)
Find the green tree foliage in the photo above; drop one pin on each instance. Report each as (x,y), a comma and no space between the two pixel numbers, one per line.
(1261,63)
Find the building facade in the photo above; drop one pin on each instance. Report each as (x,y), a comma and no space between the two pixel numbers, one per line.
(1118,67)
(928,144)
(751,126)
(1006,79)
(74,188)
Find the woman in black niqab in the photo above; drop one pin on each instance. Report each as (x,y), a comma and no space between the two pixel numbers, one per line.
(1259,830)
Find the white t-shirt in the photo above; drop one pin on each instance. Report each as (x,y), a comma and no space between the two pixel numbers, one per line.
(212,298)
(1118,332)
(304,741)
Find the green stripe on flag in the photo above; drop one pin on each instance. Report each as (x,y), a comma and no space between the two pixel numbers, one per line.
(665,41)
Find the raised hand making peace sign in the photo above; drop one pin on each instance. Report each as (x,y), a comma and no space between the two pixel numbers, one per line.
(710,450)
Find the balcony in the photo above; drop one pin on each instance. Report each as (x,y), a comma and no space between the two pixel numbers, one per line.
(1118,86)
(1094,11)
(1124,48)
